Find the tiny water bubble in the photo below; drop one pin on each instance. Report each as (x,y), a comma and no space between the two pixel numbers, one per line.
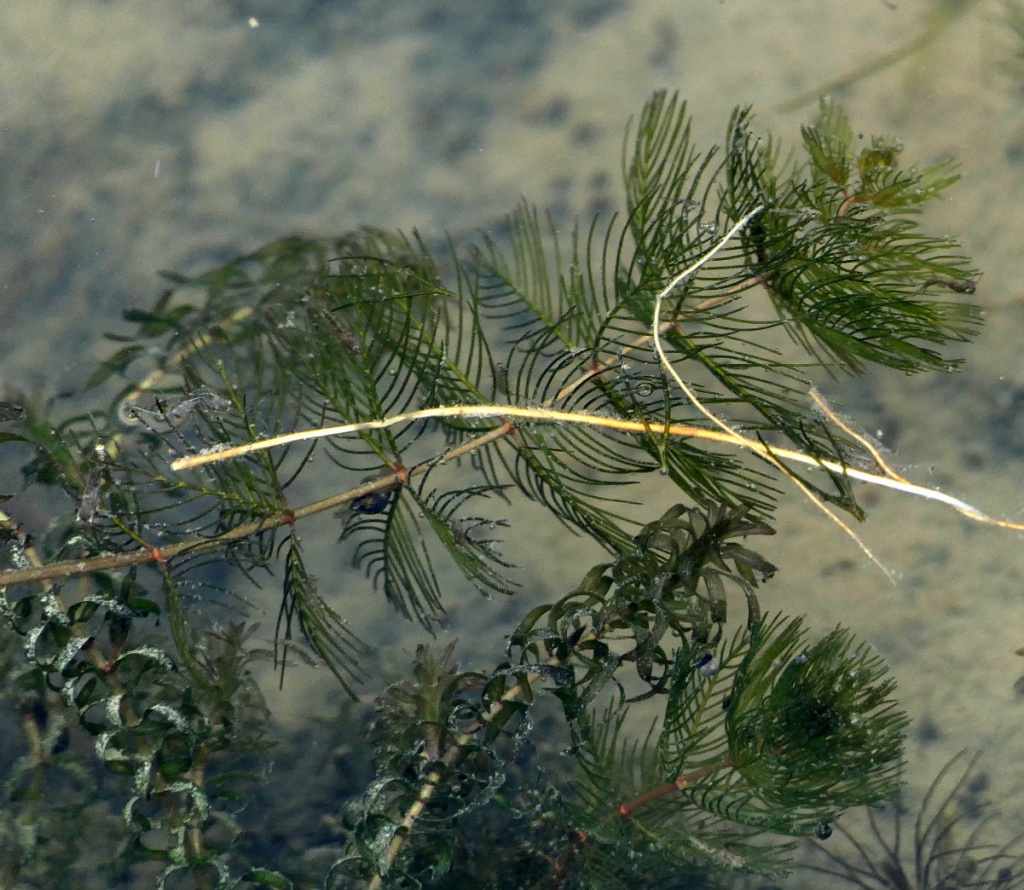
(708,665)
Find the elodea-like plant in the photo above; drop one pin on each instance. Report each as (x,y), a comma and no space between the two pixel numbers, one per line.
(676,339)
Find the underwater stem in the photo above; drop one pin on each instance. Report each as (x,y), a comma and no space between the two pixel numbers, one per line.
(627,809)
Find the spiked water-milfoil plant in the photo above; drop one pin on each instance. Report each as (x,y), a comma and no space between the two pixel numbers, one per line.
(675,341)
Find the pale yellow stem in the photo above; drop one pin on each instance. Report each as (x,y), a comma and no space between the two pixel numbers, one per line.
(725,433)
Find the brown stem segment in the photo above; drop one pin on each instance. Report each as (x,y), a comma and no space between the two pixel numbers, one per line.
(627,809)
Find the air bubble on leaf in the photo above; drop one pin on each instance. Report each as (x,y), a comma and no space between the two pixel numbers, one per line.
(707,665)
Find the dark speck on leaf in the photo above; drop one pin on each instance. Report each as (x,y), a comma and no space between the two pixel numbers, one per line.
(374,502)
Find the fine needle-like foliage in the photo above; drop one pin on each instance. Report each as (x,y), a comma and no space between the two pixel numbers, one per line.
(561,370)
(954,839)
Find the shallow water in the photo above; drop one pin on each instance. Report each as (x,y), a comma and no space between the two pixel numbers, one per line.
(145,136)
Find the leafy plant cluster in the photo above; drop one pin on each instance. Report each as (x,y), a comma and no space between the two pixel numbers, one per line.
(124,583)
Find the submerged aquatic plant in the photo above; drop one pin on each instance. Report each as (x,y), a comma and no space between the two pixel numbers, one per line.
(430,394)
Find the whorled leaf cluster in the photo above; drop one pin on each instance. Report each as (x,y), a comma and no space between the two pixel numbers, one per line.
(125,587)
(761,731)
